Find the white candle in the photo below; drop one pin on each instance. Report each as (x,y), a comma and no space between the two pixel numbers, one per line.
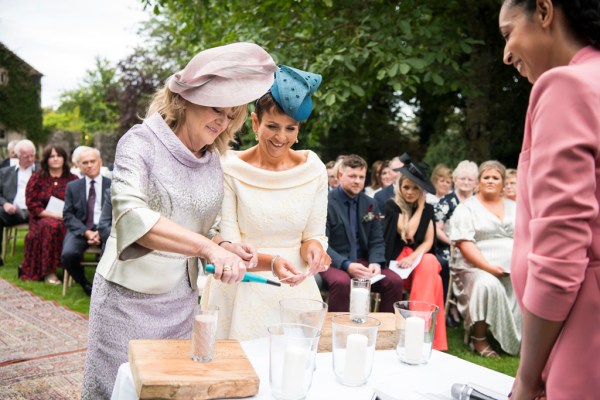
(359,302)
(356,357)
(294,365)
(414,338)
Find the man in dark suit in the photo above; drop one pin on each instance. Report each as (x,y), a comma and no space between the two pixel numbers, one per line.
(12,160)
(13,182)
(83,204)
(356,245)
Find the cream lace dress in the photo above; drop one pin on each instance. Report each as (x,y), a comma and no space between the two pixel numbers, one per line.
(275,211)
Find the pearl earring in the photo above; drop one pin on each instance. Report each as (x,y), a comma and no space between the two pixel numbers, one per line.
(256,137)
(296,140)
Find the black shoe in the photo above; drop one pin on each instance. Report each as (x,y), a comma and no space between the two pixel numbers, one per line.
(19,271)
(87,288)
(451,322)
(1,262)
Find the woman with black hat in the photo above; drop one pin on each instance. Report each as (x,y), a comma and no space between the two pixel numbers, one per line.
(408,232)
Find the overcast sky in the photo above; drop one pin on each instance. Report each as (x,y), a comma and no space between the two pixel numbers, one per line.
(62,38)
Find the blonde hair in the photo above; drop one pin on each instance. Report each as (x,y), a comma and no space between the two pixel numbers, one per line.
(441,171)
(171,107)
(510,172)
(407,209)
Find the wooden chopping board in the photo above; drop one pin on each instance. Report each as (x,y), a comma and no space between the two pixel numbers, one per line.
(163,369)
(387,336)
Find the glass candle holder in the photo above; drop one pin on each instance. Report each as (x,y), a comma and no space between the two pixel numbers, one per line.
(415,322)
(360,299)
(291,360)
(353,347)
(204,334)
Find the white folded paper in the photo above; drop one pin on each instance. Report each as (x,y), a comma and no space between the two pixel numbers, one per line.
(377,278)
(405,272)
(55,205)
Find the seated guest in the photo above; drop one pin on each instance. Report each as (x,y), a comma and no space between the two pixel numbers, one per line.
(83,205)
(441,177)
(43,243)
(13,182)
(12,160)
(332,182)
(465,180)
(375,185)
(387,192)
(356,242)
(408,232)
(482,229)
(510,188)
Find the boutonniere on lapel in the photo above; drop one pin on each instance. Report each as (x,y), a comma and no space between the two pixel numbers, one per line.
(371,216)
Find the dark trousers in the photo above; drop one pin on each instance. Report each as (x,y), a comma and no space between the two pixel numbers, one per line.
(72,253)
(10,220)
(338,283)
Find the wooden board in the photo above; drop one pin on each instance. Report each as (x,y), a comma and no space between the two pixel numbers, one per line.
(387,336)
(163,369)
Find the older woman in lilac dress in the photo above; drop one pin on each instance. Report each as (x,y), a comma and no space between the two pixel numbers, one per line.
(166,194)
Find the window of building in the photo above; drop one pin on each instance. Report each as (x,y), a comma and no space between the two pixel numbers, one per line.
(3,77)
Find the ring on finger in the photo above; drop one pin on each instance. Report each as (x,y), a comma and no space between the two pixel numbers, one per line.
(226,268)
(325,267)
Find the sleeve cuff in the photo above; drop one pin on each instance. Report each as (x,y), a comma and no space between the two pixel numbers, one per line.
(345,265)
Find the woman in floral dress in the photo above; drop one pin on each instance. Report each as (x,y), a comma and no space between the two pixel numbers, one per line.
(43,242)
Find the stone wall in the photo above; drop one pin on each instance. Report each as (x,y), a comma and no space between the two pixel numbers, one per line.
(105,142)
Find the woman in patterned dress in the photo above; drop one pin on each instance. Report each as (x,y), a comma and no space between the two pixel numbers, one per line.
(482,229)
(43,242)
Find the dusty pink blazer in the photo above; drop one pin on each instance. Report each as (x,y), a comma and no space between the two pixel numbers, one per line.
(556,259)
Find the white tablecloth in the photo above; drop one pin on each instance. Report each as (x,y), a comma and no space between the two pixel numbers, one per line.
(390,378)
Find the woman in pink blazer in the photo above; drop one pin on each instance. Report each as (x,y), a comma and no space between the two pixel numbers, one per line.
(555,44)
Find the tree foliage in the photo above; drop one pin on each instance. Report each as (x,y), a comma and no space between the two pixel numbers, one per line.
(369,53)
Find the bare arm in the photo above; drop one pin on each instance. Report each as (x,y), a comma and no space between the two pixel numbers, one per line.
(471,253)
(539,336)
(415,220)
(440,233)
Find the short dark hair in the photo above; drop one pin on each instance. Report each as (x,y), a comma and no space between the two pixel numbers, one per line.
(353,161)
(583,17)
(266,104)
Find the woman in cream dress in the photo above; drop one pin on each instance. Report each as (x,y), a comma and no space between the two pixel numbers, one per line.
(276,199)
(482,229)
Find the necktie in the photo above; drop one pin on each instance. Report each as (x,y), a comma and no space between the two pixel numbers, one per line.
(91,202)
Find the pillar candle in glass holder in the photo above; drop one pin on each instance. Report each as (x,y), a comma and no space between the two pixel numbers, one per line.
(360,295)
(356,356)
(295,362)
(414,338)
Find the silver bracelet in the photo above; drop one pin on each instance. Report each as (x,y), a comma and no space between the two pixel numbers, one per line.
(273,265)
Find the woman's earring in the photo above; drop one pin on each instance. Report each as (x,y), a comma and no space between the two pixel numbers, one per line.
(296,140)
(256,137)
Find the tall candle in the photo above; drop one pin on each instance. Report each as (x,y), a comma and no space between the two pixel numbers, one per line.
(414,338)
(204,337)
(359,302)
(294,365)
(356,358)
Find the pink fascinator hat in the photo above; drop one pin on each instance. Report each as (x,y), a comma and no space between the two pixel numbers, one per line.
(225,76)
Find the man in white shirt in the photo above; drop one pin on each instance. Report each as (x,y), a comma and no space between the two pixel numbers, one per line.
(83,206)
(13,182)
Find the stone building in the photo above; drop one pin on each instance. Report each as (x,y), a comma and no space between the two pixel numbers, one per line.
(20,99)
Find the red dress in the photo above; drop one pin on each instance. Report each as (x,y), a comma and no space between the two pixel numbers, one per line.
(43,243)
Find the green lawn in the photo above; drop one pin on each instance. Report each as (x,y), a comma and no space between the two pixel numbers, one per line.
(78,301)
